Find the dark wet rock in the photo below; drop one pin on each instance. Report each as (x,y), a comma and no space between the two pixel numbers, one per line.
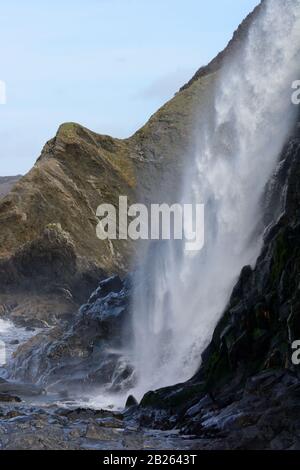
(5,397)
(131,401)
(107,286)
(262,318)
(246,393)
(88,413)
(100,433)
(39,428)
(204,403)
(87,351)
(254,418)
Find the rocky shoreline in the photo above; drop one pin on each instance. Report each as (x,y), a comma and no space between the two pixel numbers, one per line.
(264,415)
(73,294)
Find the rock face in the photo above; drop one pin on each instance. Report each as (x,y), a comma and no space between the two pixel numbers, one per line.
(245,394)
(48,218)
(47,428)
(260,413)
(86,352)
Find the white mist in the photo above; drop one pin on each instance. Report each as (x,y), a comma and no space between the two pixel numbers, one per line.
(182,295)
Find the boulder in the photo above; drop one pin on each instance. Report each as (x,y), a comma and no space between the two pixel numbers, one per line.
(131,401)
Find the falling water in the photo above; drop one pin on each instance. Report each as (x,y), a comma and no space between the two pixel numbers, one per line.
(181,295)
(11,337)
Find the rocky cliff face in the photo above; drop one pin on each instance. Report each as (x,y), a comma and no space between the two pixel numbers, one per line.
(246,391)
(48,245)
(245,394)
(86,352)
(50,257)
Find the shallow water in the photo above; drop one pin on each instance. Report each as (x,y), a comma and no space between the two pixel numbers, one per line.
(11,337)
(98,400)
(88,429)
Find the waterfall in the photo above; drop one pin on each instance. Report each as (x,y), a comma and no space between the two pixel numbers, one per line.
(181,295)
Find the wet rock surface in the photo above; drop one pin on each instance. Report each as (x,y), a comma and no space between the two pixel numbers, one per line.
(263,414)
(85,352)
(246,392)
(245,395)
(40,428)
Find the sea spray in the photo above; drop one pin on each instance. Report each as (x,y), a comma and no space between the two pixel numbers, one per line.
(181,295)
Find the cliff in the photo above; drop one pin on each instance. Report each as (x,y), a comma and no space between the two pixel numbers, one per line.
(50,257)
(245,393)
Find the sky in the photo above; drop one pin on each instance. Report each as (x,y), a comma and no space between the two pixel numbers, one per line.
(106,64)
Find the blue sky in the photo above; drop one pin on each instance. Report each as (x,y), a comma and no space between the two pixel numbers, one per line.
(107,64)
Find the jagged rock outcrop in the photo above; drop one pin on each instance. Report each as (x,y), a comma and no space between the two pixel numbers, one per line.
(86,352)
